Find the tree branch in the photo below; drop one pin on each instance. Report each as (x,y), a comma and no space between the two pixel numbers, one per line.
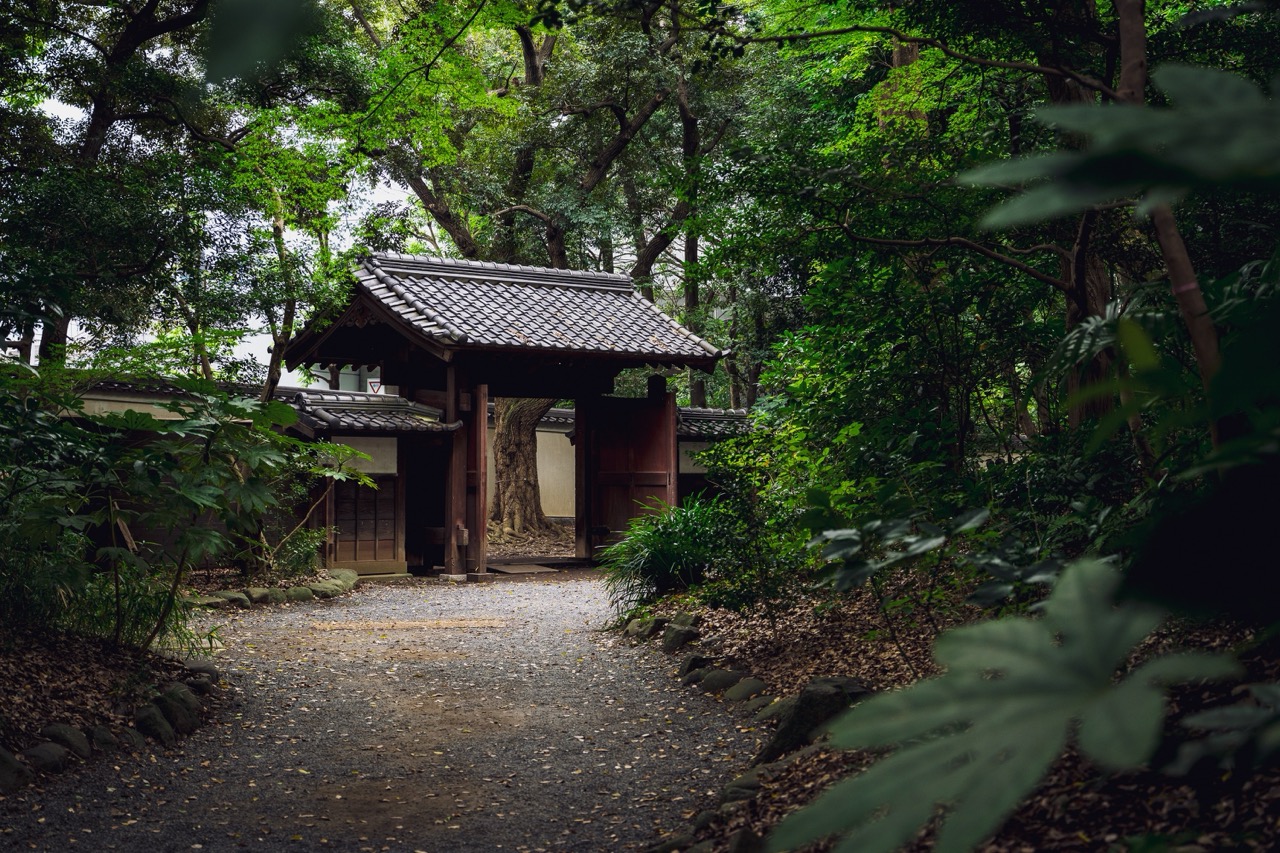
(1029,67)
(364,24)
(600,165)
(428,65)
(964,243)
(524,208)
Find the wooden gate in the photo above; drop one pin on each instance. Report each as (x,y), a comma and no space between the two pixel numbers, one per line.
(369,534)
(627,458)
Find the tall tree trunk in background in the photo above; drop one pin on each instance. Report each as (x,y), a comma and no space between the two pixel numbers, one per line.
(692,305)
(1182,274)
(53,338)
(145,25)
(1088,277)
(517,498)
(690,145)
(1090,292)
(282,329)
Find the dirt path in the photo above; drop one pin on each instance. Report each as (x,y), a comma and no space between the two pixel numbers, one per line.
(420,716)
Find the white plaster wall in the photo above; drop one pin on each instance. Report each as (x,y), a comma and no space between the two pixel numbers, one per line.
(382,453)
(687,463)
(101,405)
(555,473)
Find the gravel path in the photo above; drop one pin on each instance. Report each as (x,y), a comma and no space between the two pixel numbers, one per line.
(417,716)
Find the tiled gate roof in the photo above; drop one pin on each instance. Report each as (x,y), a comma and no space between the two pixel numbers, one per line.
(711,424)
(499,306)
(359,411)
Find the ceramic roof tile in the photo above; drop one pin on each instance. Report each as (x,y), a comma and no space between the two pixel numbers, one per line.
(358,411)
(710,424)
(470,303)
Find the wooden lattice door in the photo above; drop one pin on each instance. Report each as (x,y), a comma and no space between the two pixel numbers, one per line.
(369,523)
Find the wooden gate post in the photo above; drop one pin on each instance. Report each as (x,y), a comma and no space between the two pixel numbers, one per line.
(583,477)
(477,511)
(455,498)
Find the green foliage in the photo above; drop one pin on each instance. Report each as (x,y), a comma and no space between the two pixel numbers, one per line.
(857,554)
(1240,736)
(103,517)
(977,739)
(665,549)
(1223,130)
(723,549)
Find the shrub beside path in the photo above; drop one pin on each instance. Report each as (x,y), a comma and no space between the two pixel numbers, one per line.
(419,716)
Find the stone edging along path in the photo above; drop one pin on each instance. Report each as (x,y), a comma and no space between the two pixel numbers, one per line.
(341,580)
(176,709)
(799,722)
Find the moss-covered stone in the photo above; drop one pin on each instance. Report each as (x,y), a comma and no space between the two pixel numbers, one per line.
(758,704)
(202,666)
(151,722)
(13,773)
(719,679)
(209,602)
(347,577)
(258,594)
(69,737)
(182,720)
(819,701)
(48,757)
(184,694)
(694,676)
(686,620)
(299,593)
(745,689)
(775,709)
(132,739)
(326,589)
(645,627)
(676,637)
(103,739)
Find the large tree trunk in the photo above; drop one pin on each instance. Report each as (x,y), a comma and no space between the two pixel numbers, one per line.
(54,334)
(517,499)
(1084,270)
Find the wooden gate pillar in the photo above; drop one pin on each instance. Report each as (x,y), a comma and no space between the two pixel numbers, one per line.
(455,497)
(477,509)
(582,476)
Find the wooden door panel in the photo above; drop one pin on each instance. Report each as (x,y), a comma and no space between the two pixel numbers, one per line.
(632,459)
(366,520)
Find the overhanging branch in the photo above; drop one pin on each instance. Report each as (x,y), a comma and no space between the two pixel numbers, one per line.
(964,243)
(1029,67)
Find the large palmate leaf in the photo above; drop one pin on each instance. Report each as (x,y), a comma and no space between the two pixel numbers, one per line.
(975,741)
(1222,129)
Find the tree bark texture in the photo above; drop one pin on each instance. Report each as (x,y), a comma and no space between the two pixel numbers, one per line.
(517,499)
(1090,292)
(1183,281)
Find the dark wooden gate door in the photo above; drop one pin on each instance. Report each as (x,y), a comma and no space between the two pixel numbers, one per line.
(631,461)
(368,521)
